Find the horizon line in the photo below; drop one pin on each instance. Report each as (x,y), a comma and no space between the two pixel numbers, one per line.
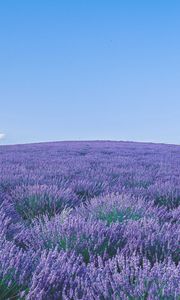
(93,140)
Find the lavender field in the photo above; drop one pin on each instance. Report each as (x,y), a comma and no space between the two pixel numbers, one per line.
(90,220)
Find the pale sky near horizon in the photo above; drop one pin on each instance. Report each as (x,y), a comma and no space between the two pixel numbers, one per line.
(89,70)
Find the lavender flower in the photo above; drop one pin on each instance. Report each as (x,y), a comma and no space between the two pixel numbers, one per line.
(90,220)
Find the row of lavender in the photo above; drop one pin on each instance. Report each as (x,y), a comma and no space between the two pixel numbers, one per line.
(90,220)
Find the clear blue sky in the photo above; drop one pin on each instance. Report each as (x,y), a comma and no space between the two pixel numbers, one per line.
(89,69)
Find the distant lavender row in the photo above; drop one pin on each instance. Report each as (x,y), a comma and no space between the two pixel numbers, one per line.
(90,220)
